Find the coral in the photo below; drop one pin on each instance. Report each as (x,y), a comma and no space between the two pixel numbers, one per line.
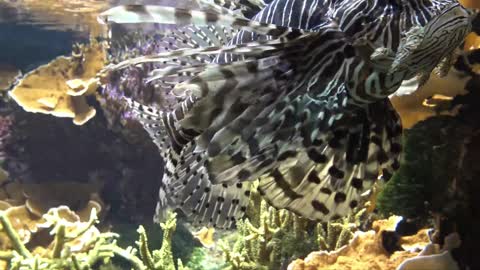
(270,238)
(365,251)
(59,88)
(470,3)
(22,222)
(472,42)
(334,234)
(39,198)
(426,170)
(50,152)
(409,104)
(205,236)
(433,257)
(130,82)
(164,257)
(79,245)
(438,177)
(27,222)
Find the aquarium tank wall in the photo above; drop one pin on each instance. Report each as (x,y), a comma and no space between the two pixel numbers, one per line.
(239,134)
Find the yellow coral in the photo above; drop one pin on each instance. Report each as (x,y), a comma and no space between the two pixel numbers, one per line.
(205,236)
(470,3)
(59,87)
(23,222)
(365,251)
(472,42)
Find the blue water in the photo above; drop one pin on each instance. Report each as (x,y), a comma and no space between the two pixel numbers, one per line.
(27,46)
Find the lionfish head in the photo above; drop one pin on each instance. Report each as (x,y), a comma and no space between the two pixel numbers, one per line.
(423,48)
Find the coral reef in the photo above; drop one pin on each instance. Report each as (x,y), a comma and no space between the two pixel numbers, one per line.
(426,170)
(130,82)
(437,177)
(47,152)
(77,244)
(432,257)
(59,88)
(334,234)
(271,238)
(365,251)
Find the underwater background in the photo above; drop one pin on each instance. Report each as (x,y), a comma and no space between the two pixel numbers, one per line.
(80,176)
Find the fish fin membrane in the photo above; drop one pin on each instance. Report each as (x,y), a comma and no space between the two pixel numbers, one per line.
(192,192)
(247,8)
(237,91)
(185,184)
(329,179)
(254,49)
(309,164)
(182,17)
(196,36)
(162,126)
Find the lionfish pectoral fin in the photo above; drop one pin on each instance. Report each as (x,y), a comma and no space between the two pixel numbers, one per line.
(328,179)
(152,121)
(180,17)
(243,8)
(205,203)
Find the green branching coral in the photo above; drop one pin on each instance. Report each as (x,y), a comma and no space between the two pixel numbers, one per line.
(99,248)
(264,246)
(274,237)
(335,234)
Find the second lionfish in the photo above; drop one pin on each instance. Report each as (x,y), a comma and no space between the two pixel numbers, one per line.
(293,93)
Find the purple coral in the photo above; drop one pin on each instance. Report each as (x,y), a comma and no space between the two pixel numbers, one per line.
(131,82)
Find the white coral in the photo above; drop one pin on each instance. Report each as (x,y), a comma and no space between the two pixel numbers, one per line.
(431,258)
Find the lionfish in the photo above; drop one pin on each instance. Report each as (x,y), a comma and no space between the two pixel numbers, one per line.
(292,93)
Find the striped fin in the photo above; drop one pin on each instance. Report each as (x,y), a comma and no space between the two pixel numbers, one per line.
(182,17)
(329,180)
(247,8)
(163,126)
(250,49)
(197,36)
(180,73)
(185,184)
(212,205)
(315,167)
